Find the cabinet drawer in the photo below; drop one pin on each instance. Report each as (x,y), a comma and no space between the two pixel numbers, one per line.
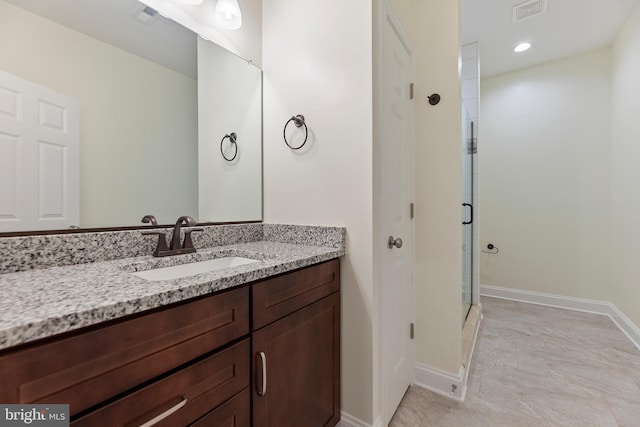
(190,393)
(234,413)
(87,368)
(275,298)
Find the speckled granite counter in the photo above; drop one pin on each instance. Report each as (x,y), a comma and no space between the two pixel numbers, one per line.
(41,303)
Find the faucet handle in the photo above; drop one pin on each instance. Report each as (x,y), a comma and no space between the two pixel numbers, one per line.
(186,220)
(188,243)
(149,219)
(161,247)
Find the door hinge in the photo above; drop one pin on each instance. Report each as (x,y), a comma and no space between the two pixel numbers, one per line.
(411,331)
(472,146)
(411,91)
(412,210)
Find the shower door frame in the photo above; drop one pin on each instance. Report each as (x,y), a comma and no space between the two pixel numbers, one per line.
(468,216)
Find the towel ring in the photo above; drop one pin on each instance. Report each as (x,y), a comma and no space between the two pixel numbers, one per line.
(298,121)
(232,138)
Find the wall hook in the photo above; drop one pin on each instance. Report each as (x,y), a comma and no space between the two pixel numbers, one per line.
(434,99)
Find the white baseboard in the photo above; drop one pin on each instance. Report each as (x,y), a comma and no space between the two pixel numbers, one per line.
(440,382)
(443,383)
(570,303)
(347,420)
(550,300)
(629,328)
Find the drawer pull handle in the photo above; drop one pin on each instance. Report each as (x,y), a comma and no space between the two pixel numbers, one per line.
(165,414)
(262,390)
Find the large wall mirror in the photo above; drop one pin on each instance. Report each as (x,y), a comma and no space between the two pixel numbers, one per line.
(154,104)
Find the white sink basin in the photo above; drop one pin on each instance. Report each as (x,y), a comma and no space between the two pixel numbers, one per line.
(191,269)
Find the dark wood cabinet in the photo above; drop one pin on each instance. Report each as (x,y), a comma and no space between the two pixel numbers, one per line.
(180,398)
(199,362)
(296,359)
(275,298)
(234,413)
(90,366)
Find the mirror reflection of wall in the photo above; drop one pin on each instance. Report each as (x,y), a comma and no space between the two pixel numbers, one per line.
(229,190)
(138,116)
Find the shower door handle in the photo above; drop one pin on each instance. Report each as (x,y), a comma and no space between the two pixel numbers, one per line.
(471,220)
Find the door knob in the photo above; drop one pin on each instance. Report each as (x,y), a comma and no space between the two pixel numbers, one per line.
(394,242)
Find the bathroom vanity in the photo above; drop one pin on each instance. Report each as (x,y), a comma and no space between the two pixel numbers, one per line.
(257,344)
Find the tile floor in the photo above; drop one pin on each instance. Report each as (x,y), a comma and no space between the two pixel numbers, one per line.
(538,366)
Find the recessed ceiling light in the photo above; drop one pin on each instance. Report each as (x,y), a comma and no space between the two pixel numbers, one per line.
(522,47)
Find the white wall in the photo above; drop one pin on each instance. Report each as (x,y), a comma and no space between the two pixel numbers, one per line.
(138,120)
(318,62)
(438,186)
(625,251)
(545,177)
(229,100)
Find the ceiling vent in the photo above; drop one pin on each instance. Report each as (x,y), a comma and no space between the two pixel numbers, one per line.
(145,14)
(529,9)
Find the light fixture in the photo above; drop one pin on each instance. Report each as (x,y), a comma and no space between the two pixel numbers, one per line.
(228,14)
(192,2)
(522,47)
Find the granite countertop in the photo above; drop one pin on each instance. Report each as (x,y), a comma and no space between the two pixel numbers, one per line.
(44,302)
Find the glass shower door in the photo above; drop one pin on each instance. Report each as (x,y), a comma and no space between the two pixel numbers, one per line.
(468,150)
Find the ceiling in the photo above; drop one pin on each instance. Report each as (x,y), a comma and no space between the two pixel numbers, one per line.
(160,40)
(567,28)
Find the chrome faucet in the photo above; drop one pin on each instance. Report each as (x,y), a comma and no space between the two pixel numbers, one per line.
(175,248)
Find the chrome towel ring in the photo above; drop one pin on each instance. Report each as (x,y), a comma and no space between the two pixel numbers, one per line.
(233,138)
(298,121)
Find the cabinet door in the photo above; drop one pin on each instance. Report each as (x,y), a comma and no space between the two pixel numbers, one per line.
(296,368)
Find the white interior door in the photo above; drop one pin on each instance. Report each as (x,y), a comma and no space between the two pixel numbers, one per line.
(397,311)
(39,157)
